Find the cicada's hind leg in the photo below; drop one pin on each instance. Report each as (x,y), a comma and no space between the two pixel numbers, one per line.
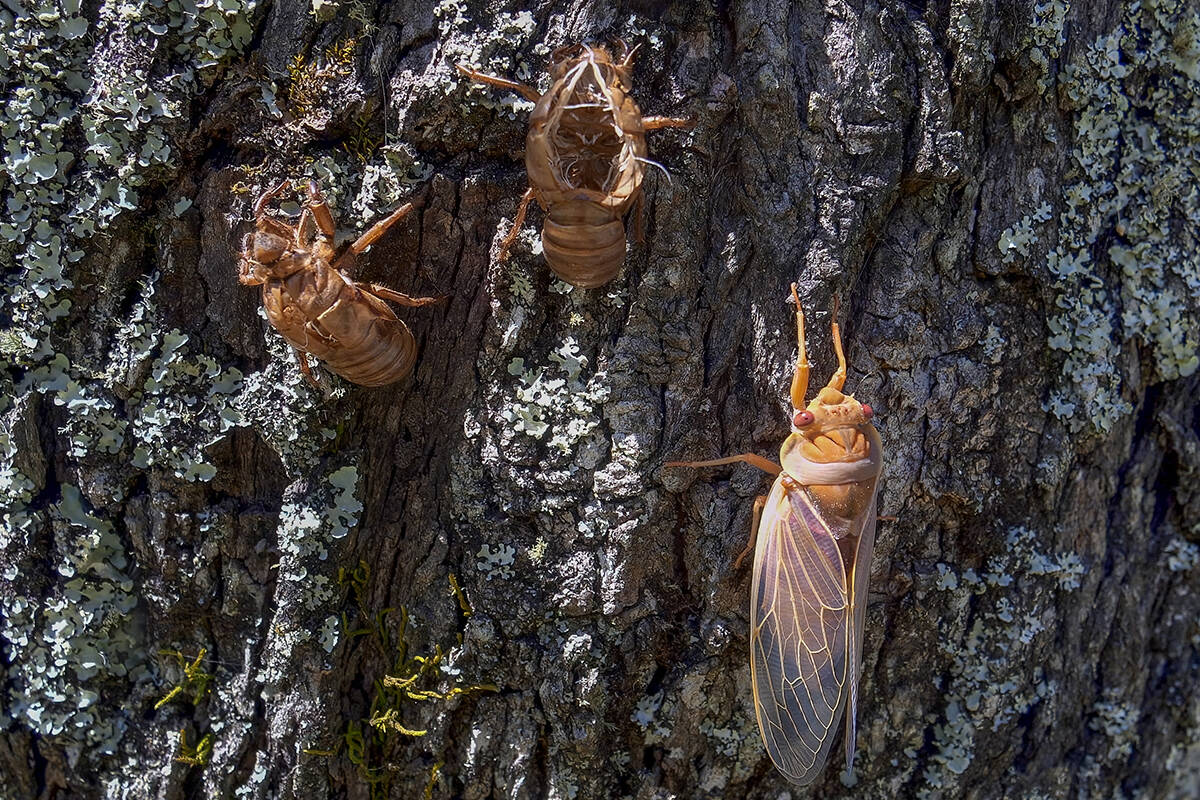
(384,293)
(528,92)
(800,376)
(511,239)
(755,517)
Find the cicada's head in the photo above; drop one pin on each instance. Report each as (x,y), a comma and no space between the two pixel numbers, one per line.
(833,428)
(270,255)
(832,436)
(610,71)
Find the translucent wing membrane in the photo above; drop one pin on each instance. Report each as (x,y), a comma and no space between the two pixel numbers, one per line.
(860,576)
(801,634)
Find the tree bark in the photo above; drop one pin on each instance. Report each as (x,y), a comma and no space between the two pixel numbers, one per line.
(216,581)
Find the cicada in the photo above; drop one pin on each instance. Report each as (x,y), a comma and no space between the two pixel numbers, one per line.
(585,154)
(312,301)
(812,537)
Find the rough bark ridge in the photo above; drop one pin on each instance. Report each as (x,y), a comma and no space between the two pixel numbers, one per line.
(216,581)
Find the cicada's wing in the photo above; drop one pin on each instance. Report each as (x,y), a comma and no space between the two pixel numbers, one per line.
(860,575)
(800,635)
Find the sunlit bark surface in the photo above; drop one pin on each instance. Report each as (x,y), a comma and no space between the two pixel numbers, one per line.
(218,581)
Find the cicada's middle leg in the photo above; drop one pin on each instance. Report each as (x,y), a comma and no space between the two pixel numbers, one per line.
(754,460)
(755,518)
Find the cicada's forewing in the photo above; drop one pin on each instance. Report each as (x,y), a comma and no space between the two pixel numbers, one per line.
(860,575)
(800,635)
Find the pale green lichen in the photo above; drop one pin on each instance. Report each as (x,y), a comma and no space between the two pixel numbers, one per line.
(994,677)
(63,648)
(1017,240)
(1131,181)
(16,490)
(645,711)
(1117,720)
(72,638)
(496,563)
(309,525)
(541,400)
(186,405)
(1181,555)
(490,53)
(1049,35)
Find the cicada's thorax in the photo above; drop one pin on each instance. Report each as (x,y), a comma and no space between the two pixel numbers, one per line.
(294,301)
(584,154)
(837,458)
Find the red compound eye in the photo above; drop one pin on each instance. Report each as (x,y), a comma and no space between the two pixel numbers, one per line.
(802,418)
(868,412)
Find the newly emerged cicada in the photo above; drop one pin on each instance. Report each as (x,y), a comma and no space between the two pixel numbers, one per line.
(812,538)
(585,154)
(310,299)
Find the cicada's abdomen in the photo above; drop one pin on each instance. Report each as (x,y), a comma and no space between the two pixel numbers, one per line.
(583,243)
(374,347)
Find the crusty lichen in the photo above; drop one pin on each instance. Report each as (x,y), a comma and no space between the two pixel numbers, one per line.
(64,647)
(995,675)
(1125,260)
(73,635)
(540,399)
(1048,35)
(490,53)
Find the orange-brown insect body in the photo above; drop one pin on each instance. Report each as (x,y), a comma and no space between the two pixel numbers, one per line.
(813,537)
(582,154)
(585,154)
(320,311)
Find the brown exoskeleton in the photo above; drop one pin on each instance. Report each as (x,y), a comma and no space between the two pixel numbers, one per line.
(318,309)
(585,154)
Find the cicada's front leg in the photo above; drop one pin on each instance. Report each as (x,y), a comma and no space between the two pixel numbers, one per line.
(528,92)
(754,460)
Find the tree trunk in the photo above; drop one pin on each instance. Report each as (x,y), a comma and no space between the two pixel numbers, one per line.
(217,581)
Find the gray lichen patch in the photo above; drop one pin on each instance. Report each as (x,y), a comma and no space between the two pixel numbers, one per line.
(1123,255)
(65,649)
(995,673)
(86,137)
